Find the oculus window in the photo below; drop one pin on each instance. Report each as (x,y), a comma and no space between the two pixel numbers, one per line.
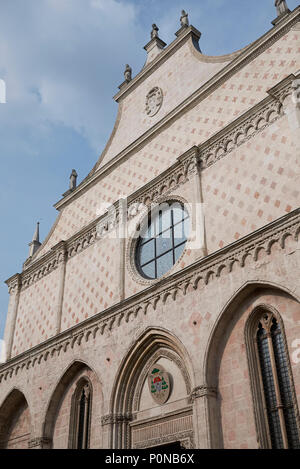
(162,240)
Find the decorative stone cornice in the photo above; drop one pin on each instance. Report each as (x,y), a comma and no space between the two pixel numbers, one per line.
(237,62)
(280,18)
(199,274)
(45,265)
(248,125)
(171,178)
(14,283)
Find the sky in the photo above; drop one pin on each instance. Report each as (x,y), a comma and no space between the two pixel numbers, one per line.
(62,62)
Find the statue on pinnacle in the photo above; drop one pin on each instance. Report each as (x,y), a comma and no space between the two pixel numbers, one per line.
(184,20)
(281,7)
(73,180)
(128,73)
(154,32)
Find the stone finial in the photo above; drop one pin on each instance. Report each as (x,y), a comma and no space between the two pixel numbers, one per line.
(184,20)
(73,180)
(36,236)
(128,73)
(35,243)
(154,32)
(281,7)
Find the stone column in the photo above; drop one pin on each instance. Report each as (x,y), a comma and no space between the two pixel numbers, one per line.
(206,425)
(14,287)
(191,162)
(116,433)
(121,230)
(86,416)
(62,257)
(107,428)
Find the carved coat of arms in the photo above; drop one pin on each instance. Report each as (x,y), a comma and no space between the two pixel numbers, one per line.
(159,384)
(154,101)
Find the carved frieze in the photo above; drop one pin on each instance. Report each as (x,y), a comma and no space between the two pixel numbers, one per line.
(165,430)
(248,125)
(185,438)
(220,145)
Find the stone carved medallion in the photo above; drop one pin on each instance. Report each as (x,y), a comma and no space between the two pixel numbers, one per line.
(159,384)
(154,101)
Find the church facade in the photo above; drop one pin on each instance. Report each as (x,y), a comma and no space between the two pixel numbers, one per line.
(162,310)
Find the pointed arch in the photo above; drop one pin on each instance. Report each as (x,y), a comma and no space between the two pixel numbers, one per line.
(210,366)
(232,316)
(153,344)
(73,376)
(13,410)
(274,398)
(145,346)
(80,420)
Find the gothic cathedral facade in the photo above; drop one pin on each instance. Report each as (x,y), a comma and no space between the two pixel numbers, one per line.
(163,306)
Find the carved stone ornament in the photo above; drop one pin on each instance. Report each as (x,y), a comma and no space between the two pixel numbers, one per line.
(281,7)
(42,443)
(154,101)
(159,384)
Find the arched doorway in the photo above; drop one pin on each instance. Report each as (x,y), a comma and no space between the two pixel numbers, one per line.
(150,405)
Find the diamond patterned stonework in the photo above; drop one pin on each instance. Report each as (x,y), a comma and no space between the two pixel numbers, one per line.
(100,356)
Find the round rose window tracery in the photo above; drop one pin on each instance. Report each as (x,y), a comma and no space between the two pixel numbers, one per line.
(162,240)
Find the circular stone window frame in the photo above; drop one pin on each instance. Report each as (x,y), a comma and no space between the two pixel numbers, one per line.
(161,99)
(130,256)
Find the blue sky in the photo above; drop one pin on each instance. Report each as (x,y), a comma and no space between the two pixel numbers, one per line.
(62,61)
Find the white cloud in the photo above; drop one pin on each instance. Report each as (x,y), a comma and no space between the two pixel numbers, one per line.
(59,58)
